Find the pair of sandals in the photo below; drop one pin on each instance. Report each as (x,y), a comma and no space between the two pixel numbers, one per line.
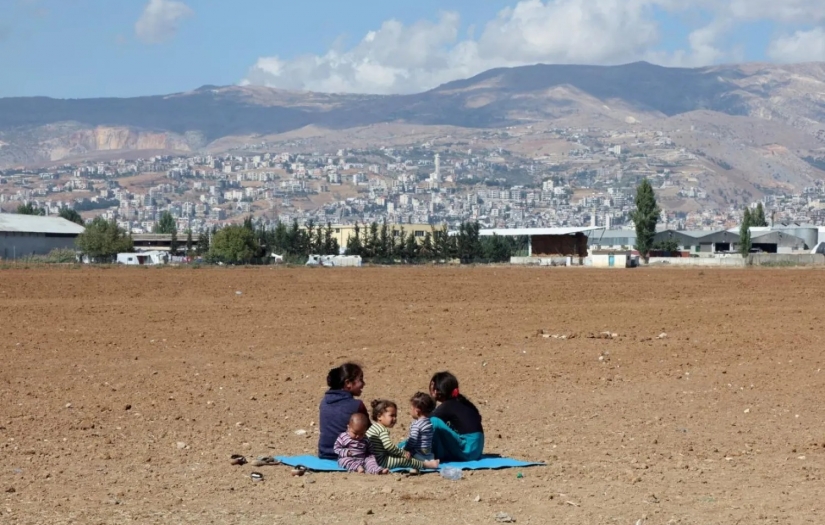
(237,459)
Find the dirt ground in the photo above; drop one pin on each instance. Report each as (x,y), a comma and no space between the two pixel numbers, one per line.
(124,391)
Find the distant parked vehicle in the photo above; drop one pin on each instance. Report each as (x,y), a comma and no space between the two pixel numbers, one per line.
(334,260)
(143,259)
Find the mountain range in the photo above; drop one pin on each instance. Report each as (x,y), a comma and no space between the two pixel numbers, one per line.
(791,97)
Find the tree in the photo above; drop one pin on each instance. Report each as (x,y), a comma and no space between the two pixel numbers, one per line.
(371,246)
(203,243)
(645,217)
(667,245)
(426,250)
(318,246)
(233,245)
(71,215)
(298,240)
(30,209)
(411,248)
(758,217)
(330,243)
(173,244)
(354,245)
(468,242)
(166,225)
(442,244)
(384,250)
(188,242)
(102,240)
(279,239)
(745,234)
(497,249)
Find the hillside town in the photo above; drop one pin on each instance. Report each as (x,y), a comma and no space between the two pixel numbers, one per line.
(589,182)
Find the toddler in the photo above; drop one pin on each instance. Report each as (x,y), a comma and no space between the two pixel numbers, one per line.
(385,415)
(420,441)
(354,450)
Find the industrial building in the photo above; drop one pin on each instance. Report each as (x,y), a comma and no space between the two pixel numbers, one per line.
(548,246)
(26,235)
(151,242)
(613,240)
(704,243)
(700,241)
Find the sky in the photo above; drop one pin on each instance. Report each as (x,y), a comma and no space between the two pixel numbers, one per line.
(125,48)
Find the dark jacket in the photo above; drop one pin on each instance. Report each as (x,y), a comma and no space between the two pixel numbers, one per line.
(460,414)
(336,409)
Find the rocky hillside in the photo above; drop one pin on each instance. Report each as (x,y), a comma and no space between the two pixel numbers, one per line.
(42,129)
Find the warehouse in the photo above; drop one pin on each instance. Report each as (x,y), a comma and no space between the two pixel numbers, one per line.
(550,245)
(777,241)
(27,235)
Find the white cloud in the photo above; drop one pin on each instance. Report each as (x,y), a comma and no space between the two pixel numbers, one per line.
(160,20)
(570,31)
(801,46)
(398,58)
(786,11)
(391,59)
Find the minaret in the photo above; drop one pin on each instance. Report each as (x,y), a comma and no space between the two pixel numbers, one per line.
(437,167)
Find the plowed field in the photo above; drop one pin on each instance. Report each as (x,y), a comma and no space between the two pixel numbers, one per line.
(123,392)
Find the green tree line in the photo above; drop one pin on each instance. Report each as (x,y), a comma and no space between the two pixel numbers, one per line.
(381,244)
(251,244)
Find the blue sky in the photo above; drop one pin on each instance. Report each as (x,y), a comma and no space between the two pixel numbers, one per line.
(90,48)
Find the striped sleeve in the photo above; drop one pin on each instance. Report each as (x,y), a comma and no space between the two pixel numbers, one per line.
(425,435)
(389,446)
(341,444)
(414,437)
(382,443)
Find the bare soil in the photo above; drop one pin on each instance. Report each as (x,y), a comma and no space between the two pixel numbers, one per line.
(123,392)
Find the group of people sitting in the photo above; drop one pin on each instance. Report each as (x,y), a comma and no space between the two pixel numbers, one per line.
(446,426)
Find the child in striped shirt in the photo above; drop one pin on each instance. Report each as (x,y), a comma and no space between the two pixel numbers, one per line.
(354,450)
(420,441)
(385,415)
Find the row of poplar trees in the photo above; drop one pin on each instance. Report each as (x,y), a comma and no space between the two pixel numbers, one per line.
(382,244)
(377,243)
(750,219)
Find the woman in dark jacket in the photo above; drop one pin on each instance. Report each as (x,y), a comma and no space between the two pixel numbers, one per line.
(345,384)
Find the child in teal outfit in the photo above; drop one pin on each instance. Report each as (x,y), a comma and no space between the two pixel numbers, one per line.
(457,431)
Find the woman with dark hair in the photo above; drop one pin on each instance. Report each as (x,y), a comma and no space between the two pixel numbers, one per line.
(345,384)
(457,431)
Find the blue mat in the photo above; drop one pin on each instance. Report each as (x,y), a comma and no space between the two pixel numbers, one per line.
(487,461)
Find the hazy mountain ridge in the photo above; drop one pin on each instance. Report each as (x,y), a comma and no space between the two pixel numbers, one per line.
(41,129)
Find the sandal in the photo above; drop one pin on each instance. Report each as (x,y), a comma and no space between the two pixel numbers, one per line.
(299,470)
(265,460)
(256,476)
(237,459)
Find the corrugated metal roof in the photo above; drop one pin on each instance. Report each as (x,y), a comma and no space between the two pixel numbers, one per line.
(697,233)
(618,234)
(15,222)
(517,232)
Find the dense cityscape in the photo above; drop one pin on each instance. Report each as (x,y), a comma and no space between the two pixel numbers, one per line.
(590,181)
